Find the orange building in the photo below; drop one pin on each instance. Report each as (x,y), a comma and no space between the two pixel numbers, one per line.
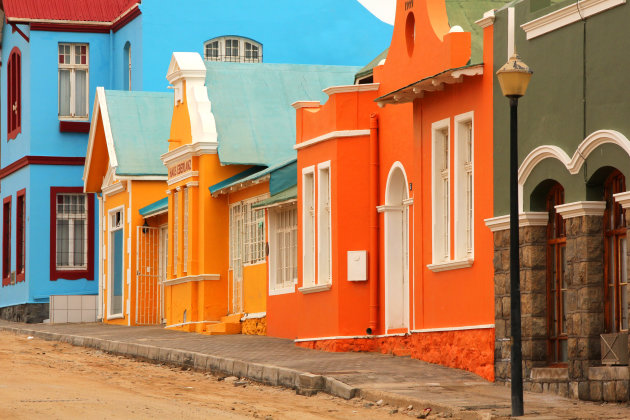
(230,152)
(394,182)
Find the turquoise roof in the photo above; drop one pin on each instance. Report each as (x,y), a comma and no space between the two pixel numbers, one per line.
(281,176)
(159,206)
(252,106)
(141,125)
(289,194)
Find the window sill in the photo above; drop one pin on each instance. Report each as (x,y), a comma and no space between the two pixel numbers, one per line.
(316,288)
(450,265)
(285,291)
(77,126)
(117,316)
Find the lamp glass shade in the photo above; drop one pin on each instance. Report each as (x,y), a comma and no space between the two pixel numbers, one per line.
(514,77)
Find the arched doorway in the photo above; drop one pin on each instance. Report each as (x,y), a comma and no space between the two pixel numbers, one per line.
(396,250)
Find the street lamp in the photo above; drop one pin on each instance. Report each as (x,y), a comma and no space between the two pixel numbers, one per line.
(514,77)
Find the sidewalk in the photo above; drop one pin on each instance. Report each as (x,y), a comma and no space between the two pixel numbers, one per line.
(399,381)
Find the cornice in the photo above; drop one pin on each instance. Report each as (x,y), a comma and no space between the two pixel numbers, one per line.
(496,224)
(581,208)
(623,199)
(567,15)
(189,150)
(332,135)
(486,20)
(366,87)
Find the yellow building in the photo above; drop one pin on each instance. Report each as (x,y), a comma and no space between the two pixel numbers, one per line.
(230,152)
(127,136)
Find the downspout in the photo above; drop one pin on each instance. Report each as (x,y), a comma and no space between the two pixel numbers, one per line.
(374,258)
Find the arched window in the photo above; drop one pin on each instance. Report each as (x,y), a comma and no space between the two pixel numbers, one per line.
(233,48)
(615,256)
(14,94)
(557,349)
(127,67)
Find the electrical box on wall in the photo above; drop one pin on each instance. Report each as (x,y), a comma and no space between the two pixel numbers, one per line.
(357,265)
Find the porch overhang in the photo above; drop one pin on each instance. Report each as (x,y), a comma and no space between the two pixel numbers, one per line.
(433,83)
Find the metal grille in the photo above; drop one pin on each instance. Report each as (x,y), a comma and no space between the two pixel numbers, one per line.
(149,275)
(71,231)
(286,240)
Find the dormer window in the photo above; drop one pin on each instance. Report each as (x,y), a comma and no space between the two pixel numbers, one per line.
(233,49)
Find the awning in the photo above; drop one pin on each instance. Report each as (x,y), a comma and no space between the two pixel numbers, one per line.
(283,197)
(280,177)
(159,207)
(429,84)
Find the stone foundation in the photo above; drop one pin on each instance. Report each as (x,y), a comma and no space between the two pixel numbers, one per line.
(30,313)
(470,350)
(254,326)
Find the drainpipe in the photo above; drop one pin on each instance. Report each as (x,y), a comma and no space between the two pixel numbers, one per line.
(374,231)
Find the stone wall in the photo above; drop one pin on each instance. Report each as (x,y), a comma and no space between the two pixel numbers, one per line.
(30,313)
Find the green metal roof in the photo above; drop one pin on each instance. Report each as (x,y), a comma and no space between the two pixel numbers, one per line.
(246,175)
(281,176)
(141,125)
(159,206)
(286,195)
(251,104)
(369,68)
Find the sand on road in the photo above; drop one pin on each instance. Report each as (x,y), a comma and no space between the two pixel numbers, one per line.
(41,379)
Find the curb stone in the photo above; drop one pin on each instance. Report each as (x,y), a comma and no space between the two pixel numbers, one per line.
(303,382)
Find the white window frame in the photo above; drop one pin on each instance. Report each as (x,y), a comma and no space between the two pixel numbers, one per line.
(275,218)
(242,49)
(308,232)
(464,211)
(71,266)
(72,68)
(441,229)
(110,278)
(253,251)
(324,223)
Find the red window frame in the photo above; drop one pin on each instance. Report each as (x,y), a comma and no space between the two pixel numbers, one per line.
(614,233)
(87,273)
(14,94)
(557,337)
(20,236)
(6,241)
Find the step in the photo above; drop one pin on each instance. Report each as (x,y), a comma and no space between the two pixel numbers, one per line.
(233,318)
(223,328)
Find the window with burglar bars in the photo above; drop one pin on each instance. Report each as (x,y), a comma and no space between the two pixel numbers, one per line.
(464,188)
(441,193)
(247,233)
(71,231)
(20,235)
(175,231)
(73,80)
(6,241)
(284,248)
(233,49)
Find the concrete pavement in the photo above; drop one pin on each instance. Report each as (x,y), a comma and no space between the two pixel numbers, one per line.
(398,381)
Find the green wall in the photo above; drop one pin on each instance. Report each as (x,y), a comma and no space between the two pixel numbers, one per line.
(585,60)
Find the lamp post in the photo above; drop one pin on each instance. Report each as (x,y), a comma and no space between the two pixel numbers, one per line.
(514,77)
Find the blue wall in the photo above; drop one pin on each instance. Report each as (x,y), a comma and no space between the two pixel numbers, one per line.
(339,32)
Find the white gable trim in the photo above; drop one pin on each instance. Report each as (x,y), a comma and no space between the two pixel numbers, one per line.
(573,164)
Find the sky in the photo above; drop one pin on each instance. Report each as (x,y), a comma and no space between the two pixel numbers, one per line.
(385,10)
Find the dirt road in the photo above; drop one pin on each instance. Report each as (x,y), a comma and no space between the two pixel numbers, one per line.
(41,379)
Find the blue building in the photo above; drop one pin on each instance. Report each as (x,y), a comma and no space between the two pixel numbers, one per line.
(55,54)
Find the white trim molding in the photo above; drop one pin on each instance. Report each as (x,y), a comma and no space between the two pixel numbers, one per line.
(532,218)
(257,315)
(114,189)
(188,279)
(189,150)
(623,199)
(450,265)
(182,177)
(330,136)
(366,87)
(316,288)
(385,208)
(568,15)
(142,177)
(306,104)
(573,164)
(191,323)
(464,328)
(408,202)
(581,208)
(486,20)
